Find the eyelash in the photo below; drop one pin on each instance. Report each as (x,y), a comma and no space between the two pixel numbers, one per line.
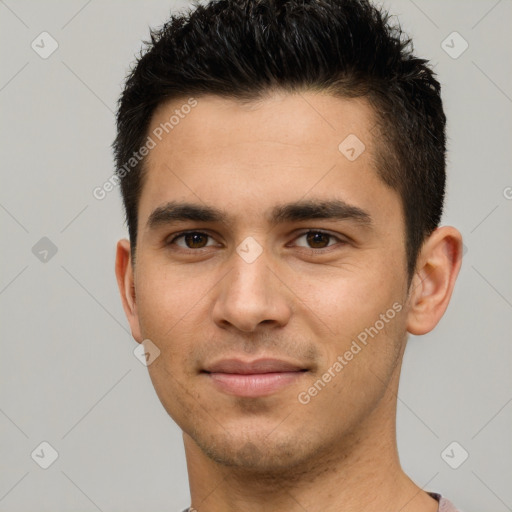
(306,232)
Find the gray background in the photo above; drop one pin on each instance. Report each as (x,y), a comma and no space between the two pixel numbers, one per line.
(68,373)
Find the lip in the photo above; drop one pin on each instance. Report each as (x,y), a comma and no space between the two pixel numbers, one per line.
(262,377)
(266,365)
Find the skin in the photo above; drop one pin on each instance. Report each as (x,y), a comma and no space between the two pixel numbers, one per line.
(204,302)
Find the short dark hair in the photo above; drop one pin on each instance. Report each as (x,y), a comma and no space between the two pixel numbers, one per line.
(245,49)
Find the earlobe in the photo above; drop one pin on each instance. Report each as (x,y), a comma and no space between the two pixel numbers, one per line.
(437,268)
(126,284)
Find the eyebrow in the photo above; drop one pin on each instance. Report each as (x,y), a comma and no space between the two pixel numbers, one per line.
(334,209)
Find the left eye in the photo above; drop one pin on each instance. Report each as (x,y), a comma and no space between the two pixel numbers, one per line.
(317,239)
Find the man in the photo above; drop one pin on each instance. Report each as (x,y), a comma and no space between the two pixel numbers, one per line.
(282,165)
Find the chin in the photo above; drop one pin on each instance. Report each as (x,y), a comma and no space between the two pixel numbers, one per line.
(263,453)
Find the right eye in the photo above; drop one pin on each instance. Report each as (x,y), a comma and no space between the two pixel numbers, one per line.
(191,240)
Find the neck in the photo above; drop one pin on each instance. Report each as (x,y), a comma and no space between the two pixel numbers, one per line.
(360,473)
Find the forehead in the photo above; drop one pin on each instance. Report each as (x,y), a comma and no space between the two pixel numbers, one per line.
(251,156)
(299,120)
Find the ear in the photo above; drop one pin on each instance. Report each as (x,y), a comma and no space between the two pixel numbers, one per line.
(431,288)
(125,281)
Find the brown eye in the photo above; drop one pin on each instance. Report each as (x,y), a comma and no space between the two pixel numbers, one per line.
(195,240)
(191,240)
(317,240)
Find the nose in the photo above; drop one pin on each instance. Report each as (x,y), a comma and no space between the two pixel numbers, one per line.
(252,294)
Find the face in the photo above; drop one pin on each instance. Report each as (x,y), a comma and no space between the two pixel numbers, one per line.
(271,275)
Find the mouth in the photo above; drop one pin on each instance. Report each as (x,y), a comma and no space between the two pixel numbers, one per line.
(259,378)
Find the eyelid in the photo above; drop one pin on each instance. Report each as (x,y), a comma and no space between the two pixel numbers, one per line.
(324,232)
(175,236)
(301,233)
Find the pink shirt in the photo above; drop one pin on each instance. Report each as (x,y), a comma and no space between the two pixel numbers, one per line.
(444,504)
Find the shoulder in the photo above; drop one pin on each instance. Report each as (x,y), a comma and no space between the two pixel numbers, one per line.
(445,505)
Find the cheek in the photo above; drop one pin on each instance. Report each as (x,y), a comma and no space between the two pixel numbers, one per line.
(171,309)
(359,317)
(166,300)
(357,362)
(347,303)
